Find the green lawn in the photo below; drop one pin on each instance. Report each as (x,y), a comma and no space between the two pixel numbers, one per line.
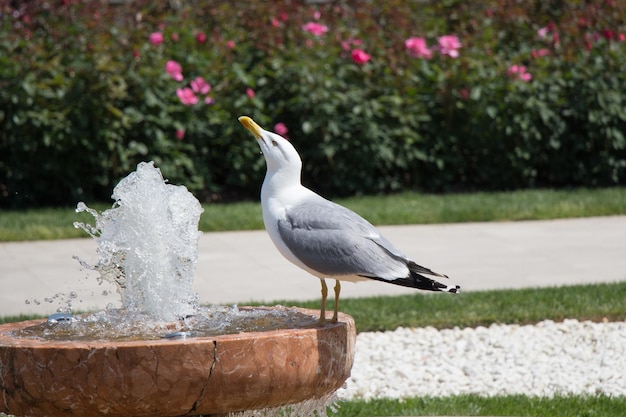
(474,405)
(404,208)
(595,302)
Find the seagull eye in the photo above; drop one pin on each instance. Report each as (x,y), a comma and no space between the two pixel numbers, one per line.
(274,143)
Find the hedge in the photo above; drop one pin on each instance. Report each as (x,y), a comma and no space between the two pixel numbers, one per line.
(433,96)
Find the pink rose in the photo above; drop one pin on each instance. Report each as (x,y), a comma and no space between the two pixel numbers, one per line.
(537,53)
(156,38)
(174,69)
(518,72)
(449,45)
(316,29)
(417,48)
(201,37)
(280,129)
(199,85)
(250,92)
(180,134)
(187,96)
(360,57)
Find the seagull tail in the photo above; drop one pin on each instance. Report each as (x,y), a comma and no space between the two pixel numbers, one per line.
(417,279)
(423,283)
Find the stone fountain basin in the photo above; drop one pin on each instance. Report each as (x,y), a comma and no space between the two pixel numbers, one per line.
(191,376)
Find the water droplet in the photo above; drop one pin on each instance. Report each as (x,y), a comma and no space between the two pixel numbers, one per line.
(61,318)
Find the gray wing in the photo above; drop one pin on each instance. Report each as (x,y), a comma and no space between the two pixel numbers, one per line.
(334,240)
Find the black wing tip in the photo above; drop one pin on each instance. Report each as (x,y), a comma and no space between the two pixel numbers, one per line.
(422,283)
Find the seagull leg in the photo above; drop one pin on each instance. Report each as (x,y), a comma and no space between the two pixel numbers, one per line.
(324,295)
(337,291)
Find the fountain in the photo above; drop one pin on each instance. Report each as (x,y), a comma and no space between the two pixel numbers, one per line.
(161,353)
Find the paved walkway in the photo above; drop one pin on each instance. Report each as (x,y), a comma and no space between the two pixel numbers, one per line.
(235,267)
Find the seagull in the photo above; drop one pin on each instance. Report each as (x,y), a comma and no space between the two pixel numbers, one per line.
(325,238)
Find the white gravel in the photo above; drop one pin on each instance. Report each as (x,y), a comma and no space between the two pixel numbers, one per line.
(537,360)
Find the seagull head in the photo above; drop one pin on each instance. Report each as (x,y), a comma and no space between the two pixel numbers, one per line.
(279,153)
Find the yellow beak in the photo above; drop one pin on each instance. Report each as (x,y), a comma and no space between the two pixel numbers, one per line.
(251,125)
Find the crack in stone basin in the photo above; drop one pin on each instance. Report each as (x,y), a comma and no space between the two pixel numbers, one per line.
(173,377)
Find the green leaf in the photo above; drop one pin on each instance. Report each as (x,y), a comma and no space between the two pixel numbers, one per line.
(241,75)
(476,92)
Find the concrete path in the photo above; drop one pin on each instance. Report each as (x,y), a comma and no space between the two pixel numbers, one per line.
(235,267)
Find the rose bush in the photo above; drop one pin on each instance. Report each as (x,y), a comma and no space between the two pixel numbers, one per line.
(377,97)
